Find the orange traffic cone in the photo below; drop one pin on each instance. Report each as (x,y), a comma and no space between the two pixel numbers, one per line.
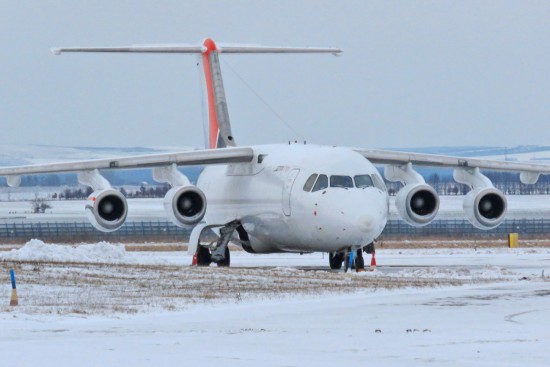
(372,262)
(195,260)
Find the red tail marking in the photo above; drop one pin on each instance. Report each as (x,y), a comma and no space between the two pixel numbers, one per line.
(213,127)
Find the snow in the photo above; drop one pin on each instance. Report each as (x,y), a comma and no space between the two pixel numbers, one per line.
(97,304)
(36,250)
(479,325)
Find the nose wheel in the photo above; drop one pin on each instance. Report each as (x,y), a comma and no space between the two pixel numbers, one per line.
(336,259)
(350,259)
(359,261)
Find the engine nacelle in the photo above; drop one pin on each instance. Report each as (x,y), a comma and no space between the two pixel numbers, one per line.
(106,210)
(185,205)
(417,204)
(485,207)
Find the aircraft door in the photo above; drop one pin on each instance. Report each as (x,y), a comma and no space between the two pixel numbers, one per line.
(287,189)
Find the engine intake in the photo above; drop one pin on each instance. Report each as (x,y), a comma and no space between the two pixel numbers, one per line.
(417,204)
(185,205)
(485,207)
(106,210)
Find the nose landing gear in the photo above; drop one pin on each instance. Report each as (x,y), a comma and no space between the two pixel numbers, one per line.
(350,259)
(336,259)
(359,261)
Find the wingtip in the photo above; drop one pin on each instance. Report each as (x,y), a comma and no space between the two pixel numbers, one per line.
(55,51)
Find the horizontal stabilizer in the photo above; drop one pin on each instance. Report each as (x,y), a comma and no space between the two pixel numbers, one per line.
(194,49)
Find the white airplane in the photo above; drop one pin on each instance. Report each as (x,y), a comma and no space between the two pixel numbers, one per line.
(284,197)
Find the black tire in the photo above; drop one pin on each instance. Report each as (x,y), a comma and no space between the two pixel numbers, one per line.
(369,249)
(203,256)
(346,262)
(335,260)
(359,261)
(227,261)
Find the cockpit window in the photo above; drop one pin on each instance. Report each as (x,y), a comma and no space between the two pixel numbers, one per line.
(378,182)
(362,181)
(341,181)
(322,183)
(310,181)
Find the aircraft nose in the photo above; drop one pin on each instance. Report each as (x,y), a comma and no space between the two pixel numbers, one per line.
(366,223)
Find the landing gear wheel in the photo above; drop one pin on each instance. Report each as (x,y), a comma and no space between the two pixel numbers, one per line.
(227,258)
(359,261)
(335,260)
(203,256)
(369,249)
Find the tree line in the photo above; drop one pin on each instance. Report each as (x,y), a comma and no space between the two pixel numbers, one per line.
(144,191)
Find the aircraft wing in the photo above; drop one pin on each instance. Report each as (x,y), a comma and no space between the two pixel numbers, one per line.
(186,158)
(432,160)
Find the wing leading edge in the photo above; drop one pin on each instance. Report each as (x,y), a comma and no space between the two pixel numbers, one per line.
(188,158)
(432,160)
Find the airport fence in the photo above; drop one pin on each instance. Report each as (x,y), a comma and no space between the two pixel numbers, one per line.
(144,231)
(454,228)
(140,231)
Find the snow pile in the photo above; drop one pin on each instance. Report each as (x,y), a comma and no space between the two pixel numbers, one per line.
(36,250)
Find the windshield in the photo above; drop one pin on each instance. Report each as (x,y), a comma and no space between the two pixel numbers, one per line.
(379,182)
(322,183)
(362,181)
(309,183)
(341,181)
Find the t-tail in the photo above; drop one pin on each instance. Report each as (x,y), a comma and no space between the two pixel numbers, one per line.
(219,133)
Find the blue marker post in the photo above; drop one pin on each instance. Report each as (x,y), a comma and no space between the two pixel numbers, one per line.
(14,301)
(351,258)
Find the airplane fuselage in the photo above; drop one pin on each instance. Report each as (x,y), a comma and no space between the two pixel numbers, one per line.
(270,197)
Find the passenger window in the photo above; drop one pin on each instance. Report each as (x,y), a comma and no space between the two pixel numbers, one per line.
(341,181)
(322,183)
(362,181)
(310,181)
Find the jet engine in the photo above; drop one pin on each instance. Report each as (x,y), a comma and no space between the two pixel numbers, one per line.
(417,204)
(106,210)
(485,207)
(185,205)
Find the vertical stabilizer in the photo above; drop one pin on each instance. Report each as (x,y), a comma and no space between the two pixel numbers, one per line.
(219,127)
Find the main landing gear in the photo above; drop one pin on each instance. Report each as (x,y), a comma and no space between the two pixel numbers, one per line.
(205,257)
(217,252)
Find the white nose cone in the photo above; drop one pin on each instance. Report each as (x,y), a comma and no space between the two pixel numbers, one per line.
(366,223)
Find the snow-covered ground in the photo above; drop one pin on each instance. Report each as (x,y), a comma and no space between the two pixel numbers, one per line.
(98,304)
(478,325)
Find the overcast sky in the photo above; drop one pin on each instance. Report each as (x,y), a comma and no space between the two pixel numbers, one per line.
(413,73)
